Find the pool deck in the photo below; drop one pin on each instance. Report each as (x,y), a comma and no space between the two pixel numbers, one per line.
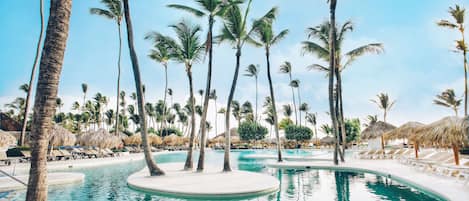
(212,183)
(8,184)
(449,188)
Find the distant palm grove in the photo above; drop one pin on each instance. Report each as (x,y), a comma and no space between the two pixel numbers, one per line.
(189,43)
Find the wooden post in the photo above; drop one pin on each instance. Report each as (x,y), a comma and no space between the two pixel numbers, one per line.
(456,154)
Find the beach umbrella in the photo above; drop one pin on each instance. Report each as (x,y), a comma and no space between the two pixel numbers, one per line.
(447,132)
(173,140)
(155,140)
(376,130)
(135,139)
(100,138)
(327,140)
(407,131)
(6,139)
(59,136)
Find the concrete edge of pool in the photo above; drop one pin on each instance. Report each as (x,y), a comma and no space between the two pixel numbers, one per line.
(56,178)
(431,189)
(211,184)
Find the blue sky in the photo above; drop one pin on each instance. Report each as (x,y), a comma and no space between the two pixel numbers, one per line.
(417,63)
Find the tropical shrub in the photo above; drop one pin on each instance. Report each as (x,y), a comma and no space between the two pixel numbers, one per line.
(169,131)
(249,130)
(352,129)
(298,133)
(284,123)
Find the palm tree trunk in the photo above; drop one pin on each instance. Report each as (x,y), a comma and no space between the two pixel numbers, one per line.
(200,163)
(299,102)
(341,113)
(189,164)
(118,78)
(164,97)
(294,102)
(269,77)
(257,97)
(332,65)
(46,94)
(226,159)
(33,74)
(456,154)
(216,118)
(152,167)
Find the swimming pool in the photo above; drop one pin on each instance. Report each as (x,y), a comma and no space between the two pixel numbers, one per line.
(109,182)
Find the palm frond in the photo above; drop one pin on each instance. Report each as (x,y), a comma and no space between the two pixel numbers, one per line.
(188,9)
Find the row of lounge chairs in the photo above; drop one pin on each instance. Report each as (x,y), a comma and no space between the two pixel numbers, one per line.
(380,154)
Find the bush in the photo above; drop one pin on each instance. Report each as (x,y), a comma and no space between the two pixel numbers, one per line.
(285,123)
(298,133)
(169,131)
(249,130)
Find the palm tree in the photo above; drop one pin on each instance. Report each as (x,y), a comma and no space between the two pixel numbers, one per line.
(312,119)
(286,68)
(59,104)
(321,49)
(458,14)
(236,109)
(296,85)
(371,119)
(267,38)
(385,103)
(188,51)
(114,12)
(211,9)
(326,129)
(253,71)
(304,108)
(235,31)
(269,112)
(84,89)
(213,96)
(332,65)
(448,99)
(33,75)
(287,111)
(46,92)
(152,167)
(161,55)
(170,93)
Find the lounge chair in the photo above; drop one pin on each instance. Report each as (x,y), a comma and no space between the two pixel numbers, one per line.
(26,155)
(4,158)
(66,154)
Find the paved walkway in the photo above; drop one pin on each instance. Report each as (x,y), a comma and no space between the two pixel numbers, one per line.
(321,157)
(8,184)
(210,184)
(446,187)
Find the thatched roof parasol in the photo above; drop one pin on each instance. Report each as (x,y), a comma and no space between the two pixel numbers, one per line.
(407,130)
(60,136)
(155,140)
(327,140)
(376,130)
(173,140)
(447,132)
(100,138)
(135,139)
(6,139)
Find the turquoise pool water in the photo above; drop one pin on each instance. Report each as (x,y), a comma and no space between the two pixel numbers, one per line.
(109,183)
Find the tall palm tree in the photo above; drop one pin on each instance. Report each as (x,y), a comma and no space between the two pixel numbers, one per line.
(161,55)
(170,93)
(188,50)
(84,90)
(448,99)
(152,167)
(114,12)
(304,108)
(235,32)
(33,74)
(458,14)
(332,65)
(253,71)
(266,36)
(210,9)
(46,92)
(286,68)
(385,103)
(214,97)
(296,85)
(322,48)
(236,109)
(287,111)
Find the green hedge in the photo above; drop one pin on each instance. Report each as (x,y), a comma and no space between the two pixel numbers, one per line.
(298,133)
(169,131)
(249,130)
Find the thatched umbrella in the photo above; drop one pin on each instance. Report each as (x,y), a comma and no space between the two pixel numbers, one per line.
(61,137)
(447,132)
(327,140)
(135,139)
(100,138)
(155,140)
(173,140)
(407,131)
(6,139)
(376,130)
